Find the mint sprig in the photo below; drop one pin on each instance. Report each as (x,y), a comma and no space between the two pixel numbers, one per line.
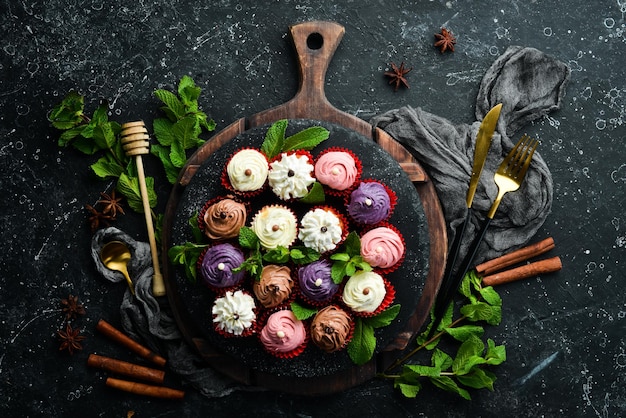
(275,141)
(348,260)
(469,367)
(363,343)
(181,127)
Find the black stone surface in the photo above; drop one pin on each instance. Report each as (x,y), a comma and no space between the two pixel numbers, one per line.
(564,333)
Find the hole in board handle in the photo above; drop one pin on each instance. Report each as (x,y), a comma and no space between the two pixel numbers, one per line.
(315,41)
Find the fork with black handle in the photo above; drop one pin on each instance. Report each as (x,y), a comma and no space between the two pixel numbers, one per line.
(508,178)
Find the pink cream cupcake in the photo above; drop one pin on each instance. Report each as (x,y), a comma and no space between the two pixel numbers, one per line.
(383,248)
(338,170)
(283,335)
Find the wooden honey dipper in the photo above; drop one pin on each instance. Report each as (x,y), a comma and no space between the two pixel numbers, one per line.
(136,142)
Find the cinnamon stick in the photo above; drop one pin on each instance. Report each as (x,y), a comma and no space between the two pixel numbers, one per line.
(116,335)
(144,389)
(126,369)
(514,257)
(523,272)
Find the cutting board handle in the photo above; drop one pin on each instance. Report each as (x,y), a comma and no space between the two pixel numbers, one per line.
(315,44)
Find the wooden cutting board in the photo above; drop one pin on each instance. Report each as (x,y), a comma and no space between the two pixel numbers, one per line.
(315,43)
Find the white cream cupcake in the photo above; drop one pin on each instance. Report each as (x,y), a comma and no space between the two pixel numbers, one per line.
(290,175)
(275,226)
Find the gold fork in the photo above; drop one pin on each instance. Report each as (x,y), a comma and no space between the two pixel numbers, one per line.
(508,178)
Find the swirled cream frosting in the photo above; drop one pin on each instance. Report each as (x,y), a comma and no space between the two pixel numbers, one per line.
(290,176)
(247,170)
(275,226)
(224,219)
(283,332)
(336,169)
(321,230)
(364,291)
(382,247)
(274,286)
(330,328)
(233,313)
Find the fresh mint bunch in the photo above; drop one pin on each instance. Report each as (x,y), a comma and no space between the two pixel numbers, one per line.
(469,367)
(181,127)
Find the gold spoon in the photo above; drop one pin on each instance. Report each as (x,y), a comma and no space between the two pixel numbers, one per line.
(115,255)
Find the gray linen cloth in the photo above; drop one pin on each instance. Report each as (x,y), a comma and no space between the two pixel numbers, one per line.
(529,84)
(526,81)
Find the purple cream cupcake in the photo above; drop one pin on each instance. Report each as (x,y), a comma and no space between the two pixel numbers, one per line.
(370,203)
(316,284)
(216,266)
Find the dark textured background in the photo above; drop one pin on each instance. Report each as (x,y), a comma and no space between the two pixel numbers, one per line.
(564,333)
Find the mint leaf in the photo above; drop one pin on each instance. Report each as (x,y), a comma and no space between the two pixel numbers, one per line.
(185,133)
(490,296)
(408,390)
(306,139)
(107,167)
(464,332)
(384,318)
(440,359)
(178,157)
(419,370)
(496,354)
(68,113)
(248,239)
(303,255)
(274,139)
(338,271)
(361,347)
(479,311)
(195,228)
(279,255)
(162,128)
(129,187)
(189,92)
(302,312)
(447,384)
(352,244)
(163,153)
(174,108)
(469,349)
(315,196)
(478,379)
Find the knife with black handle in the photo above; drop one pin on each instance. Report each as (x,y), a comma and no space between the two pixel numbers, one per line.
(450,283)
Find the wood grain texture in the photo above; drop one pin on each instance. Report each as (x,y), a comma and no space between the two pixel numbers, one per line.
(315,43)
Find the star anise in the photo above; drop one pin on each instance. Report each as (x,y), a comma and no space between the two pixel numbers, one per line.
(97,218)
(445,40)
(70,339)
(397,75)
(111,204)
(71,308)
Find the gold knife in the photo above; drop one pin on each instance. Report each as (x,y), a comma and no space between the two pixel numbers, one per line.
(449,284)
